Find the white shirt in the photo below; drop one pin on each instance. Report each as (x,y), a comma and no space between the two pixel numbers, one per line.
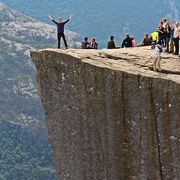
(157,52)
(176,32)
(164,25)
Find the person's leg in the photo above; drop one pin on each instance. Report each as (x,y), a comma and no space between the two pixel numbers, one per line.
(155,61)
(64,39)
(176,44)
(164,41)
(167,44)
(159,63)
(160,41)
(171,46)
(59,40)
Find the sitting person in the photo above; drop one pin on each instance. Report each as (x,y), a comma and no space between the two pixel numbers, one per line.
(146,40)
(85,44)
(133,42)
(111,43)
(127,42)
(93,44)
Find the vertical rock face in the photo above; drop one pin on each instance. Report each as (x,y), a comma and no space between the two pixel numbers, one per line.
(109,116)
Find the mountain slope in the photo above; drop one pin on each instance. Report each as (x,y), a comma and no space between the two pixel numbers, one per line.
(20,34)
(102,18)
(25,153)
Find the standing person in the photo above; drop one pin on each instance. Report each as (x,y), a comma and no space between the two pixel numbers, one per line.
(171,50)
(111,43)
(176,36)
(127,42)
(60,29)
(167,34)
(94,44)
(157,57)
(160,31)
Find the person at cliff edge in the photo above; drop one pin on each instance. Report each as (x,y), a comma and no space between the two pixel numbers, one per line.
(127,42)
(60,29)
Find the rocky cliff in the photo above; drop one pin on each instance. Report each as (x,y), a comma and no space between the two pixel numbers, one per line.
(109,116)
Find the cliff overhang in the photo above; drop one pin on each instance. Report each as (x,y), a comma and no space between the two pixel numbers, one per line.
(109,115)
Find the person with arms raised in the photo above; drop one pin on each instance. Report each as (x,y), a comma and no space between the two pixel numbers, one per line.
(160,31)
(60,29)
(176,36)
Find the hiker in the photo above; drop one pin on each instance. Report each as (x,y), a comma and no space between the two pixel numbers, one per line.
(167,33)
(93,44)
(176,36)
(164,21)
(127,42)
(111,43)
(60,29)
(160,31)
(85,44)
(146,40)
(157,57)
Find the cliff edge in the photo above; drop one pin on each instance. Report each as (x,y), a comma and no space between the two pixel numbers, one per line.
(109,116)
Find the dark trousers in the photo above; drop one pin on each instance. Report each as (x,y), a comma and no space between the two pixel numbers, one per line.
(59,40)
(176,44)
(167,43)
(160,40)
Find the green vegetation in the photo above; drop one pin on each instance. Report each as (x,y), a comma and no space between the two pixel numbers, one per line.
(23,155)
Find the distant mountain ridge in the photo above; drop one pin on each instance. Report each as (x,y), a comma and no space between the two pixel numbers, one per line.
(103,18)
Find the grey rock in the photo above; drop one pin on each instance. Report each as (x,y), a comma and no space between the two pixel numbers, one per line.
(109,116)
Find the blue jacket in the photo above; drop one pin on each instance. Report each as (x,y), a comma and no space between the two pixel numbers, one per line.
(60,26)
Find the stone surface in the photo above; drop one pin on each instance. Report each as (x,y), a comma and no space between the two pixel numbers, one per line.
(109,116)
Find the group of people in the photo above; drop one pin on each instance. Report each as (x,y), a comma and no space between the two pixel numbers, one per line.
(127,42)
(166,35)
(89,45)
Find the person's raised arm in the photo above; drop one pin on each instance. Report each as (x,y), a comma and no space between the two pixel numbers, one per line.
(173,23)
(51,18)
(70,17)
(172,20)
